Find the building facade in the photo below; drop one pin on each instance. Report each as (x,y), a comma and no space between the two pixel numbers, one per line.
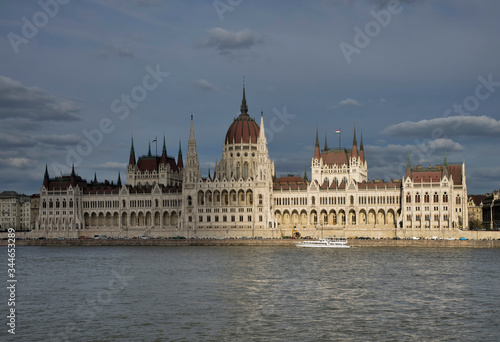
(243,196)
(491,211)
(15,211)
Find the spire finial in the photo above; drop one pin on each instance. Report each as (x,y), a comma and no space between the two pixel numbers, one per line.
(244,107)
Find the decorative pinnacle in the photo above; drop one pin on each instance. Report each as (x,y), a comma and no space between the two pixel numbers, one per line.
(244,107)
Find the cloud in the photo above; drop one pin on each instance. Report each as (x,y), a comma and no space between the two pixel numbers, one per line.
(111,166)
(451,126)
(347,102)
(18,101)
(148,3)
(390,161)
(17,162)
(224,41)
(204,85)
(54,139)
(114,50)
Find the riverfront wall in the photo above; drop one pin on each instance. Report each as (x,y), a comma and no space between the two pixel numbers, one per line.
(254,242)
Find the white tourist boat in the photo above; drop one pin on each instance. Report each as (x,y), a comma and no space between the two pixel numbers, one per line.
(330,242)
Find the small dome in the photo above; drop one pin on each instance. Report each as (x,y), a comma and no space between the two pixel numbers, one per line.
(242,130)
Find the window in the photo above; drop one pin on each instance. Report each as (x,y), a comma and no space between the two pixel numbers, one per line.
(417,198)
(445,197)
(408,198)
(426,198)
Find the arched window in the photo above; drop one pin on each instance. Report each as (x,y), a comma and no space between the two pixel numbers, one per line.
(260,199)
(245,170)
(237,171)
(408,198)
(417,198)
(445,197)
(190,201)
(436,197)
(426,197)
(458,200)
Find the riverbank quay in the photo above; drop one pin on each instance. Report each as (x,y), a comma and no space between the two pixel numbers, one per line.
(254,242)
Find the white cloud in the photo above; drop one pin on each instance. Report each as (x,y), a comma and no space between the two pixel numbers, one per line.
(450,126)
(205,85)
(347,102)
(224,41)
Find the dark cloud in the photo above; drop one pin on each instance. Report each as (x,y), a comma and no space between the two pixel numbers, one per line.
(18,101)
(114,50)
(451,126)
(224,41)
(148,3)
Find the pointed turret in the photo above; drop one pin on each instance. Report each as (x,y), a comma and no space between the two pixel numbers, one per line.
(305,173)
(208,177)
(119,182)
(244,107)
(131,160)
(95,177)
(180,163)
(72,178)
(354,145)
(149,149)
(445,167)
(361,149)
(164,152)
(316,147)
(326,145)
(408,173)
(261,139)
(46,178)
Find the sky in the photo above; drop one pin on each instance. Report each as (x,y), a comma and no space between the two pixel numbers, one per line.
(79,79)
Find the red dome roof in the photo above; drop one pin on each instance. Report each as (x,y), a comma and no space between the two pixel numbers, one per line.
(242,130)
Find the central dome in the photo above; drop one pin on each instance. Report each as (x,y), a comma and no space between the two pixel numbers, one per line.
(243,129)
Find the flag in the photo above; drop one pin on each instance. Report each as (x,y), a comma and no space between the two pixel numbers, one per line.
(337,131)
(154,140)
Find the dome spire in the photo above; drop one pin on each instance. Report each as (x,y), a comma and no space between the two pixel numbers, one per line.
(244,107)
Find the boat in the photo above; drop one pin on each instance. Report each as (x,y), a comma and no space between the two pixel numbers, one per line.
(329,242)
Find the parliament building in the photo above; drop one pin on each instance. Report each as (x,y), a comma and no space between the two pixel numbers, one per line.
(165,197)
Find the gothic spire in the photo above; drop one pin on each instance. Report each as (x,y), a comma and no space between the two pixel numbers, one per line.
(131,160)
(305,173)
(244,107)
(445,166)
(354,145)
(164,152)
(361,149)
(326,145)
(149,149)
(180,163)
(316,147)
(119,182)
(408,167)
(46,178)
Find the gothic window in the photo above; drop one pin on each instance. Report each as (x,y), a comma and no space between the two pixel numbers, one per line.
(245,170)
(417,198)
(408,198)
(458,199)
(445,197)
(426,197)
(237,171)
(51,204)
(260,199)
(44,204)
(190,201)
(436,197)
